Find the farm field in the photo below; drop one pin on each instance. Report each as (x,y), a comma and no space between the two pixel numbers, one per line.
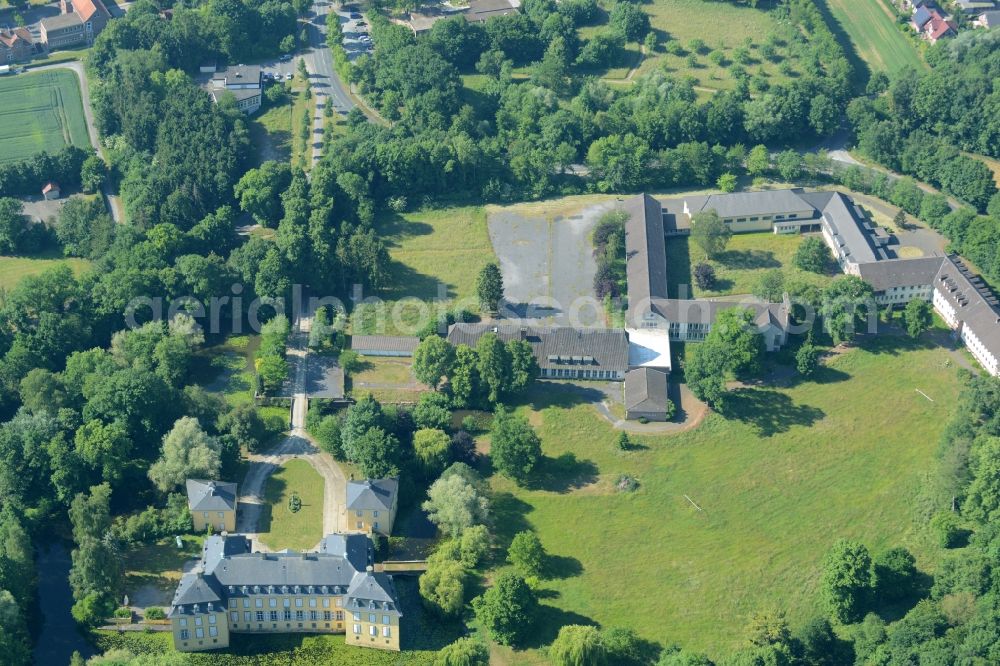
(14,269)
(791,471)
(280,527)
(41,111)
(746,258)
(871,26)
(428,248)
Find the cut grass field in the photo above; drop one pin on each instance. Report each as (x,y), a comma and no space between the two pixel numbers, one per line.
(14,269)
(386,379)
(446,247)
(740,267)
(282,528)
(871,26)
(790,472)
(41,111)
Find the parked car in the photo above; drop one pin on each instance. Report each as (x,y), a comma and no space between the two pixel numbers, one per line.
(286,57)
(288,76)
(355,15)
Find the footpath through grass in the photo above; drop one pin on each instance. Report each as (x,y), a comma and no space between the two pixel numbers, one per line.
(40,111)
(280,526)
(791,471)
(871,26)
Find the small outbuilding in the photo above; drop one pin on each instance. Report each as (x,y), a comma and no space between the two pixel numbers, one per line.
(51,190)
(384,345)
(212,504)
(645,394)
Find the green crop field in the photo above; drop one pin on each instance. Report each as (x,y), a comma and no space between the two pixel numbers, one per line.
(40,112)
(778,482)
(871,26)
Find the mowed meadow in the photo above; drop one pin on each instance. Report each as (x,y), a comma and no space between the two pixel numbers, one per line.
(871,27)
(788,473)
(40,112)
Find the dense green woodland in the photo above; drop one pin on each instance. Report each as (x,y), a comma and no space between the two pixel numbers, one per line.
(101,424)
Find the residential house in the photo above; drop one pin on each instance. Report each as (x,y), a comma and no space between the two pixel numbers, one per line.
(244,82)
(921,15)
(938,27)
(371,505)
(16,45)
(51,191)
(384,345)
(92,13)
(987,20)
(562,352)
(974,7)
(645,394)
(62,32)
(212,505)
(333,590)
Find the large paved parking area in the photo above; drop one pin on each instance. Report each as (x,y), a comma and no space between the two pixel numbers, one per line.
(548,265)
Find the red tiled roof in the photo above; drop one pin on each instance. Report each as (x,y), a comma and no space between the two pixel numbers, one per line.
(938,27)
(87,8)
(49,186)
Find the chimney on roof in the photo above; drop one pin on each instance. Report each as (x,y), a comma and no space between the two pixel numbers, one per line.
(369,568)
(524,332)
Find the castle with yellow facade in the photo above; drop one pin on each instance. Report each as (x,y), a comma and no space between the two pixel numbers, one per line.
(334,589)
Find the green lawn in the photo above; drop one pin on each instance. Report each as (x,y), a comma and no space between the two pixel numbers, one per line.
(159,564)
(792,471)
(684,20)
(282,528)
(13,269)
(271,132)
(871,26)
(41,111)
(446,247)
(737,270)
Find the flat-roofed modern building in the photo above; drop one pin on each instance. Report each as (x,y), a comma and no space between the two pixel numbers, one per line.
(244,82)
(233,590)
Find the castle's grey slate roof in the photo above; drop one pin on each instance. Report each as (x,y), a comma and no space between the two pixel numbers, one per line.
(211,495)
(884,275)
(372,494)
(599,348)
(646,390)
(742,204)
(196,588)
(384,343)
(357,548)
(374,592)
(231,570)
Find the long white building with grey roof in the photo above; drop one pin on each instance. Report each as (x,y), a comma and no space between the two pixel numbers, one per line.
(860,247)
(335,589)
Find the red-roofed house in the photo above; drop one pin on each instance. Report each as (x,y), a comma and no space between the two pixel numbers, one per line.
(51,190)
(92,13)
(15,45)
(938,27)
